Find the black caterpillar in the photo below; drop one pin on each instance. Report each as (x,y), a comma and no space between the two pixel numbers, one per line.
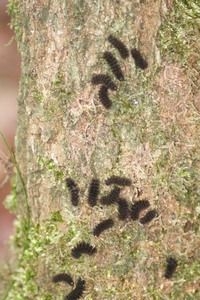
(77,292)
(93,192)
(114,65)
(105,80)
(103,97)
(140,62)
(74,190)
(123,181)
(83,248)
(123,209)
(112,197)
(102,226)
(63,277)
(150,215)
(123,51)
(137,207)
(171,267)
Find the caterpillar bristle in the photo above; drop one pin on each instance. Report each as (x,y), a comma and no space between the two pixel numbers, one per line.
(150,215)
(123,209)
(112,197)
(137,207)
(74,191)
(63,277)
(93,192)
(105,80)
(102,226)
(83,248)
(119,45)
(103,97)
(123,181)
(114,65)
(77,292)
(170,267)
(140,62)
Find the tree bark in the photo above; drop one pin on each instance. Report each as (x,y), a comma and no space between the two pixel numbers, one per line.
(65,132)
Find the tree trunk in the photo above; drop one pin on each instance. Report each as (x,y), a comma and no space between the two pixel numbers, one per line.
(64,131)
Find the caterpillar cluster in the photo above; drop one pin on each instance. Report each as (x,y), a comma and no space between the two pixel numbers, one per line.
(104,79)
(126,211)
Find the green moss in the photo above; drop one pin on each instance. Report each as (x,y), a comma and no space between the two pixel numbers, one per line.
(183,182)
(37,95)
(58,89)
(45,245)
(180,175)
(49,165)
(189,273)
(56,217)
(177,37)
(31,243)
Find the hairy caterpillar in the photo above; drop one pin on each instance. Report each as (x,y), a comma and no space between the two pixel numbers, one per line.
(123,181)
(93,192)
(150,215)
(83,248)
(114,65)
(63,277)
(171,267)
(105,80)
(74,190)
(123,209)
(102,226)
(77,292)
(140,62)
(111,197)
(123,51)
(103,97)
(137,207)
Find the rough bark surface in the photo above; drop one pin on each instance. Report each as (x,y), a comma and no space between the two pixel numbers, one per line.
(64,131)
(60,119)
